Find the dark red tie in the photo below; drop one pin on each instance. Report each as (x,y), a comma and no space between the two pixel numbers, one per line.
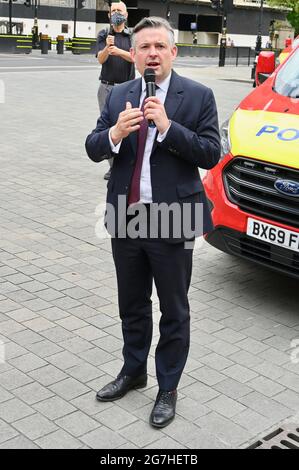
(134,194)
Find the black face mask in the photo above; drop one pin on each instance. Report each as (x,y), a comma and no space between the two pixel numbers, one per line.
(117,19)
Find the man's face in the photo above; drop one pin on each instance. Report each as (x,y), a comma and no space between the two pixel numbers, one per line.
(119,8)
(153,50)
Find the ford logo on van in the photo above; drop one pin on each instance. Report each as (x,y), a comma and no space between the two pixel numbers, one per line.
(287,187)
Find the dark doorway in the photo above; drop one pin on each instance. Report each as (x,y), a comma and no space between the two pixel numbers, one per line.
(134,16)
(209,23)
(185,22)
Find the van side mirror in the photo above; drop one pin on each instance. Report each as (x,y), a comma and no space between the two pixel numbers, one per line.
(265,66)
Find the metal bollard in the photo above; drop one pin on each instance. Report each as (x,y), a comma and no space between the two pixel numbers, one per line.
(44,44)
(60,44)
(222,52)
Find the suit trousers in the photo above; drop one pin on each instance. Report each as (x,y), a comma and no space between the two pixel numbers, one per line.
(138,262)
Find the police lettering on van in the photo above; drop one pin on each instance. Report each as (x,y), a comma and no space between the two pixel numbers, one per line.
(281,134)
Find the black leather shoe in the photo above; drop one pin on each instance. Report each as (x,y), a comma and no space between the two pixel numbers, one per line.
(107,175)
(164,410)
(120,386)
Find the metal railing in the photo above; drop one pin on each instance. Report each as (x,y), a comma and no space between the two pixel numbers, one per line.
(239,56)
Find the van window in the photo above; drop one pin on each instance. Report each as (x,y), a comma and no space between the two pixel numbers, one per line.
(287,79)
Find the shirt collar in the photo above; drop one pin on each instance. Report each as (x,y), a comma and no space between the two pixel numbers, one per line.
(164,85)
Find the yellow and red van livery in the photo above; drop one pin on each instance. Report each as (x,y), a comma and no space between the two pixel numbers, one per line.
(254,190)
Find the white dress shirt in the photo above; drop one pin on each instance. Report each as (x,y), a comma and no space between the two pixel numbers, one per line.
(145,178)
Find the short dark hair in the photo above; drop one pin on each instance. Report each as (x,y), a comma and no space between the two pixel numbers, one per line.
(153,22)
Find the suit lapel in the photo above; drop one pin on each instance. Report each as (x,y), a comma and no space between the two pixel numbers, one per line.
(174,95)
(174,98)
(133,96)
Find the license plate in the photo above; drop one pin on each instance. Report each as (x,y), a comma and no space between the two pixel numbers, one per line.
(270,233)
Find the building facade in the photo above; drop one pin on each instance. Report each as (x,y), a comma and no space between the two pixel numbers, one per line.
(190,18)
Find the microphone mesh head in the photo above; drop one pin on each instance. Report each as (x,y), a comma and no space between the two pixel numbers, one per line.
(149,75)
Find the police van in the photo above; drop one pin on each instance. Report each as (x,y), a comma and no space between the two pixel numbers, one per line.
(254,189)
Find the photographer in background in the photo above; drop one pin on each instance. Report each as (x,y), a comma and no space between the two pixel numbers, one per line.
(113,54)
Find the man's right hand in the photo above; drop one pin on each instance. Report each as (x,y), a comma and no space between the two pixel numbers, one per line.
(110,40)
(128,121)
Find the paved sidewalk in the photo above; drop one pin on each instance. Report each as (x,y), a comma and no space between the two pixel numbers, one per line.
(58,299)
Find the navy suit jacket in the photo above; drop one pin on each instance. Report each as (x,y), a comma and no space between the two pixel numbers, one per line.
(192,141)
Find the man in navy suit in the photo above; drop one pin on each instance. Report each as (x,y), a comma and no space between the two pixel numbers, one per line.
(155,166)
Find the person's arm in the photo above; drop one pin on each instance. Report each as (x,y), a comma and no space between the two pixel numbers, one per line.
(103,55)
(113,50)
(97,143)
(103,44)
(200,147)
(106,137)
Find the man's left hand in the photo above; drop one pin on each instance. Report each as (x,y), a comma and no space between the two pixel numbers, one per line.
(154,110)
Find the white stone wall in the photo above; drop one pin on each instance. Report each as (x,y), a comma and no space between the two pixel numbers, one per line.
(53,27)
(244,40)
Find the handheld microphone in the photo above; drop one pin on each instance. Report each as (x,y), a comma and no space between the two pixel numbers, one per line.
(150,81)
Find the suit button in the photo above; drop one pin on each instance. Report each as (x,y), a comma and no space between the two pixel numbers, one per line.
(132,162)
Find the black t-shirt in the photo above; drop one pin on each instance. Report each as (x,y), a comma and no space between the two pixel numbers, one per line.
(116,69)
